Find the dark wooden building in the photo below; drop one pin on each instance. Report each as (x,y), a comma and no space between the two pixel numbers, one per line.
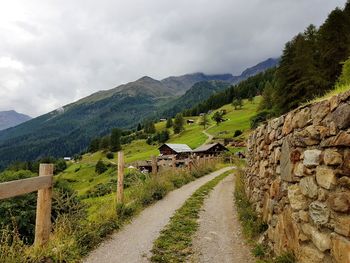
(210,149)
(179,150)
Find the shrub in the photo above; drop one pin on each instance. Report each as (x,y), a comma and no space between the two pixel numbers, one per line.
(110,155)
(237,133)
(100,167)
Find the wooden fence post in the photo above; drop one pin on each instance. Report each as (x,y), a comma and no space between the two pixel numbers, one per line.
(43,209)
(120,186)
(154,165)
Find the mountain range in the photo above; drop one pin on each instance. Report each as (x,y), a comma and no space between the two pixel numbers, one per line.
(11,118)
(69,129)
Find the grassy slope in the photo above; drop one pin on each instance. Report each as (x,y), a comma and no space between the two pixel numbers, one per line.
(82,175)
(236,119)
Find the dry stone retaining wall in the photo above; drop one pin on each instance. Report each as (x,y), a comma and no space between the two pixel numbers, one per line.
(298,178)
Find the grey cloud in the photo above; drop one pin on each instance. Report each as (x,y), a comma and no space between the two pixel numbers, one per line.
(55,52)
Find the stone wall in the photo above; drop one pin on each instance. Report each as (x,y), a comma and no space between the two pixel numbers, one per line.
(298,178)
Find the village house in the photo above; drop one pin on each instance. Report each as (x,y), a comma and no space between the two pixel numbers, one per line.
(213,149)
(180,151)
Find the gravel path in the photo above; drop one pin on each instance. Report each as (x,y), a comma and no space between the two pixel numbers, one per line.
(219,238)
(210,137)
(133,243)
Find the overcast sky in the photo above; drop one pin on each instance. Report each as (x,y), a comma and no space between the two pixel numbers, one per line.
(56,51)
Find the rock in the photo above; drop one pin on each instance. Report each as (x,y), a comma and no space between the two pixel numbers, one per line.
(310,254)
(287,126)
(277,122)
(344,181)
(319,212)
(321,240)
(344,96)
(304,216)
(286,164)
(286,234)
(334,102)
(342,225)
(322,195)
(299,170)
(340,202)
(312,157)
(296,198)
(319,111)
(340,116)
(342,139)
(340,249)
(301,118)
(267,208)
(275,188)
(308,186)
(332,157)
(317,132)
(346,162)
(325,177)
(295,156)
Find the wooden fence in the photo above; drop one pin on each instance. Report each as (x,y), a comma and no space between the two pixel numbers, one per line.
(43,184)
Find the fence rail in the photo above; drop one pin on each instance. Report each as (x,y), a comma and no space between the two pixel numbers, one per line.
(42,184)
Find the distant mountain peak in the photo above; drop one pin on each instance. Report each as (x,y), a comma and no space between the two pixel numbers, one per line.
(11,118)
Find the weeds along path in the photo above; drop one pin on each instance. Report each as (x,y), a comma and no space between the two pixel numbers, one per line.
(219,237)
(133,243)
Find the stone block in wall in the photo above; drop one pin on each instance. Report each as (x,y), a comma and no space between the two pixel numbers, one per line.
(296,198)
(310,254)
(319,212)
(312,158)
(346,163)
(319,111)
(340,116)
(326,177)
(286,163)
(342,225)
(341,139)
(308,186)
(301,118)
(286,234)
(321,240)
(340,249)
(287,126)
(340,202)
(332,157)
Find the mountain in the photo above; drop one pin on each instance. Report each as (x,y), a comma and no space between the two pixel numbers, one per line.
(197,93)
(11,118)
(183,83)
(262,66)
(69,129)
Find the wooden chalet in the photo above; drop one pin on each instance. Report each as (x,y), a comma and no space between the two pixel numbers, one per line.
(180,151)
(210,149)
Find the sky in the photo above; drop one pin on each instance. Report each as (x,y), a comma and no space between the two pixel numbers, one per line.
(56,51)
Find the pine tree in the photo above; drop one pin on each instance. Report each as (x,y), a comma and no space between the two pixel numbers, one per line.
(115,140)
(139,127)
(204,120)
(169,123)
(178,125)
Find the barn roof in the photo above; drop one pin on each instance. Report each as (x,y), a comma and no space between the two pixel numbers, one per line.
(206,147)
(179,148)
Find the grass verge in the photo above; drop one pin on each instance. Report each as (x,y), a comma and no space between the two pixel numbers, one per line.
(253,226)
(73,237)
(175,241)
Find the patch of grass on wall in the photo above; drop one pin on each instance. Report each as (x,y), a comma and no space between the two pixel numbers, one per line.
(175,241)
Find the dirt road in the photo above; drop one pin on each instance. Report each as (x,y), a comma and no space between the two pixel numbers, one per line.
(219,237)
(133,243)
